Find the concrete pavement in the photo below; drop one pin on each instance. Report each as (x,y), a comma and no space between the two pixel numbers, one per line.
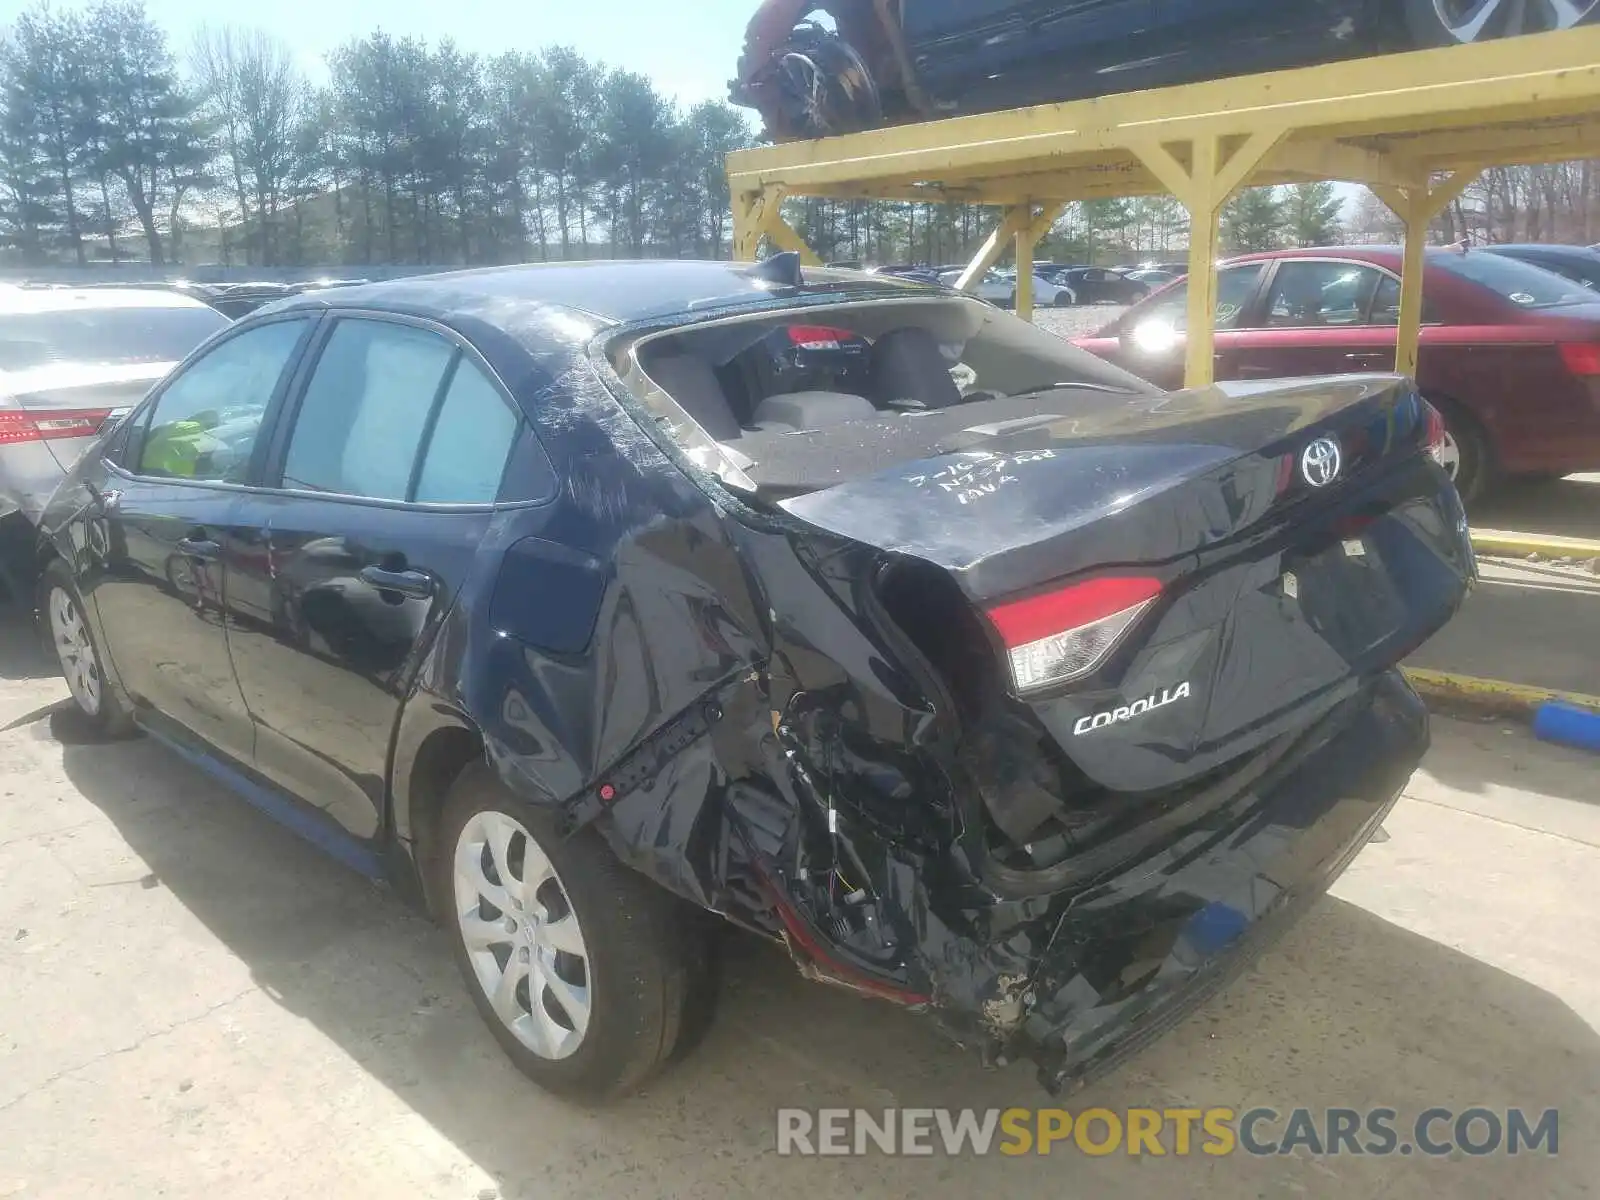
(194,1003)
(1527,623)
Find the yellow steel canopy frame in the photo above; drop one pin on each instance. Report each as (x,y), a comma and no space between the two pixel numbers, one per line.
(1416,128)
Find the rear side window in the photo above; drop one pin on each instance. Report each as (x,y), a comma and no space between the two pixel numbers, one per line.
(394,412)
(205,422)
(366,409)
(466,456)
(1386,305)
(1309,295)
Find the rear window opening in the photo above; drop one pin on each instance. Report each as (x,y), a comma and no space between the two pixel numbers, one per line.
(787,403)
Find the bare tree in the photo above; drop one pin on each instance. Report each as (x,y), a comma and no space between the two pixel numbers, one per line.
(256,97)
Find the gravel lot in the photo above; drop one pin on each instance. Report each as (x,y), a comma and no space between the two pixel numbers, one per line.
(1077,322)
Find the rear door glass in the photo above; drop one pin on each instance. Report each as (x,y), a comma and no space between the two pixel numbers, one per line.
(1310,295)
(366,409)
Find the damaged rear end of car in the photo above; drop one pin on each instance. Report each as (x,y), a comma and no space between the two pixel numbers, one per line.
(1036,710)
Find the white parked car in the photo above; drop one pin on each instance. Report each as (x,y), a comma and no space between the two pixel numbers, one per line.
(993,287)
(1045,293)
(70,358)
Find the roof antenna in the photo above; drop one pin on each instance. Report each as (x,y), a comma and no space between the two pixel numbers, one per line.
(780,269)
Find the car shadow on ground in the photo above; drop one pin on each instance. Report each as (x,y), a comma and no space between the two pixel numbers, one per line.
(1562,508)
(23,654)
(1499,760)
(1348,1010)
(1525,624)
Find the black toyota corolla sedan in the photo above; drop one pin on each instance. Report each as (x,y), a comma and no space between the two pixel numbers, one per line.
(929,58)
(986,678)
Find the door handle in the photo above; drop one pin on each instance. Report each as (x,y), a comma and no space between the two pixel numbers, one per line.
(1364,356)
(200,547)
(106,500)
(406,583)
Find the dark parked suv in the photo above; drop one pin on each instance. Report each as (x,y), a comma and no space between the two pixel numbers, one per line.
(979,674)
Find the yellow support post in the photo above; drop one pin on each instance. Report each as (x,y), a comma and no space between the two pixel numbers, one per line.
(1416,207)
(1199,355)
(1026,240)
(1203,188)
(746,227)
(761,213)
(995,245)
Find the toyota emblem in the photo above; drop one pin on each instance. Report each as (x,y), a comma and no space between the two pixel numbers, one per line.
(1321,462)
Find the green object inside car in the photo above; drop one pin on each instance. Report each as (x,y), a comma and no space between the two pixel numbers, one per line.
(175,448)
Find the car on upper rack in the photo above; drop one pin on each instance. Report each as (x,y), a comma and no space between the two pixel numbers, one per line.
(579,601)
(1509,352)
(71,358)
(923,59)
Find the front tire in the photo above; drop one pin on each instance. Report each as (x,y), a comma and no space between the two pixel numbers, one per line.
(66,625)
(1462,22)
(580,967)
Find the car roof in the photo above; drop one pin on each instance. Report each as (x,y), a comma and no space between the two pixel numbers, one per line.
(66,299)
(614,291)
(1541,248)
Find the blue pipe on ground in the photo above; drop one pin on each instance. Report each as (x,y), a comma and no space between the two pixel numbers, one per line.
(1568,724)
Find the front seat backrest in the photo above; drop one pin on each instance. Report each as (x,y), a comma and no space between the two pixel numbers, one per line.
(692,382)
(909,367)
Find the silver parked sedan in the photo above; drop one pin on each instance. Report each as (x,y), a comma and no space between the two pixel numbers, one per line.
(69,359)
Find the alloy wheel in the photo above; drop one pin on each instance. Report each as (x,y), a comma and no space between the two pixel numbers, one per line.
(74,650)
(522,936)
(1448,456)
(1480,20)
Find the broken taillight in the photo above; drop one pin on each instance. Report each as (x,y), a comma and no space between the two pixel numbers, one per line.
(49,424)
(819,337)
(1436,432)
(1059,636)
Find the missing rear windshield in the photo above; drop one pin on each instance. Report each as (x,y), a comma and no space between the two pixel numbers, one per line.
(790,402)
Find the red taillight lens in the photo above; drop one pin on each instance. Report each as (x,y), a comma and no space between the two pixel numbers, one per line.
(1582,358)
(49,424)
(819,337)
(1060,636)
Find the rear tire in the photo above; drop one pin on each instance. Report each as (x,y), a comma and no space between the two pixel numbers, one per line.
(1458,22)
(584,974)
(1466,456)
(65,625)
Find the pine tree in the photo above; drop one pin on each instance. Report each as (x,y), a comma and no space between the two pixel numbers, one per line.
(1253,220)
(1314,212)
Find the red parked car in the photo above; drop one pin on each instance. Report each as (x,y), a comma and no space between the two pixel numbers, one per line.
(1510,353)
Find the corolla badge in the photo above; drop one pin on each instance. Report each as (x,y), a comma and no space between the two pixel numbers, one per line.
(1321,462)
(1116,716)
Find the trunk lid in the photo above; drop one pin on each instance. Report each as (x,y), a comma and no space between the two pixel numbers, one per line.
(63,405)
(1277,595)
